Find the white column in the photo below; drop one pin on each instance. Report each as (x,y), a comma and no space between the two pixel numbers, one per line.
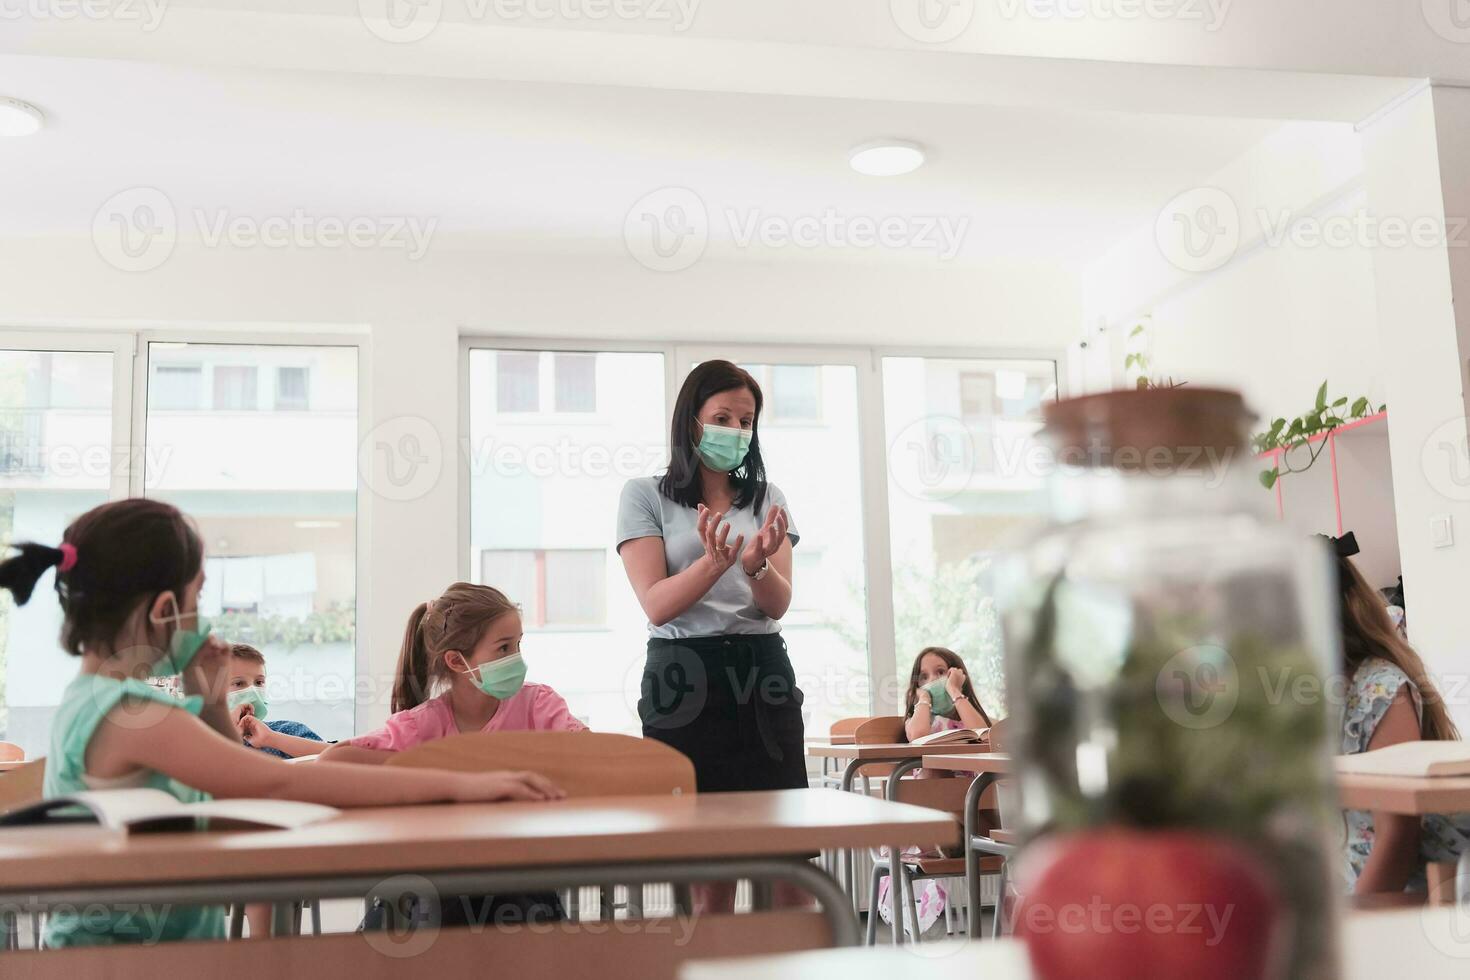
(1417,170)
(409,496)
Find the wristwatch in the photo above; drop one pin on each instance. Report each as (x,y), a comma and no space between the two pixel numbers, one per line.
(760,573)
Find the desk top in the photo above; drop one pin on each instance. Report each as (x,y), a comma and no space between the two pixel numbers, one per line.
(480,836)
(1412,795)
(996,762)
(891,751)
(1422,943)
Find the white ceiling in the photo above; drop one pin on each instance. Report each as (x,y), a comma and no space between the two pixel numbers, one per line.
(558,166)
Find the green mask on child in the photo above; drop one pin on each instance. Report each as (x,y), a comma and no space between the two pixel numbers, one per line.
(182,646)
(500,678)
(939,695)
(252,696)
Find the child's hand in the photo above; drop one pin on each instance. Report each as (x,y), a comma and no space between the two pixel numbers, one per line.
(209,672)
(954,683)
(254,731)
(487,786)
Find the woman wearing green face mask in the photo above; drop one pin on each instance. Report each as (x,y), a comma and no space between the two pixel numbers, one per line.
(707,548)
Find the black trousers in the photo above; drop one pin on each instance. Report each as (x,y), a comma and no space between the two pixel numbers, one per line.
(731,704)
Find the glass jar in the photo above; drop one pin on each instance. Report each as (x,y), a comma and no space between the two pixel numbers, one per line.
(1167,641)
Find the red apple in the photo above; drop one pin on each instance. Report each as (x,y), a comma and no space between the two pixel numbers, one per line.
(1120,904)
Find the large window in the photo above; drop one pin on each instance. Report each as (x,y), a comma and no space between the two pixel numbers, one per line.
(958,433)
(272,485)
(56,461)
(553,436)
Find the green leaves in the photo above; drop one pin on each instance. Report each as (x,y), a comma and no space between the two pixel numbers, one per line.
(1294,434)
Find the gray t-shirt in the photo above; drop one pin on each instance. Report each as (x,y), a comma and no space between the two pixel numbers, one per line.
(729,606)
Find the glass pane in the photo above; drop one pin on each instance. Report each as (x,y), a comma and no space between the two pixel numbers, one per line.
(576,588)
(234,388)
(56,461)
(959,435)
(514,573)
(576,383)
(175,386)
(551,484)
(517,381)
(816,466)
(291,389)
(274,493)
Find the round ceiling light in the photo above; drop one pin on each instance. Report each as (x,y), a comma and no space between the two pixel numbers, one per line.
(19,118)
(886,158)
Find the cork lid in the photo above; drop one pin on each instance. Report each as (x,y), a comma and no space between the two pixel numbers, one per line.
(1154,429)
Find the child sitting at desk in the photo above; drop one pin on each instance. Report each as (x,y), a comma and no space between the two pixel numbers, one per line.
(249,706)
(466,644)
(128,575)
(1390,699)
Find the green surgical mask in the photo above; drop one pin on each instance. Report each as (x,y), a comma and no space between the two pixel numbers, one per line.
(252,696)
(182,646)
(500,678)
(939,695)
(722,448)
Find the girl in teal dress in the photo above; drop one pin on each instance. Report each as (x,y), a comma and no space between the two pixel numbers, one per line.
(128,576)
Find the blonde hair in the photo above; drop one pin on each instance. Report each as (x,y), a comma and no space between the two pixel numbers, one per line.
(1368,632)
(454,621)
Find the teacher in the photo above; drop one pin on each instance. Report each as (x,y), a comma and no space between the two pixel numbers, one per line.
(707,547)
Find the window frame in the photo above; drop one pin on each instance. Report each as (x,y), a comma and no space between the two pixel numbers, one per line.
(679,357)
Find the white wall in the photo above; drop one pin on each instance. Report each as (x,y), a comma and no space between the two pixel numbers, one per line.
(1276,319)
(413,313)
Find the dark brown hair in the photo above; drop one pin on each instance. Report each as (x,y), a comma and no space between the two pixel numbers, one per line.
(681,482)
(454,621)
(247,652)
(128,552)
(1368,632)
(951,659)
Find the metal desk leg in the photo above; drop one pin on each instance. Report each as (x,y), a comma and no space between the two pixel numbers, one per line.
(896,890)
(847,860)
(283,919)
(972,859)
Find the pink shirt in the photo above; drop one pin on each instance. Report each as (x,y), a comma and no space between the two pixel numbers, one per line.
(534,708)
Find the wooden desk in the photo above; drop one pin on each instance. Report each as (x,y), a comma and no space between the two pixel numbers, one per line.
(993,762)
(474,849)
(1418,943)
(1408,795)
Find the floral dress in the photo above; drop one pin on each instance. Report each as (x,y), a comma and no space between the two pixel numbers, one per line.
(1374,686)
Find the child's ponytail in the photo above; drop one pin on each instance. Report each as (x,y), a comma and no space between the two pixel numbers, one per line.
(411,687)
(19,574)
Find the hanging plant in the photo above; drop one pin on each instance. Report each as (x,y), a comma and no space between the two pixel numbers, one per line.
(1287,435)
(1142,361)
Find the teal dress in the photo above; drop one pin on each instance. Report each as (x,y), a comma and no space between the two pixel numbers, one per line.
(84,704)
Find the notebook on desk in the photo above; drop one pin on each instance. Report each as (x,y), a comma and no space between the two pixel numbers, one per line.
(954,736)
(1423,758)
(152,809)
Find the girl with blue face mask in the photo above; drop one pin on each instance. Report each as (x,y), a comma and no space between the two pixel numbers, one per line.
(128,576)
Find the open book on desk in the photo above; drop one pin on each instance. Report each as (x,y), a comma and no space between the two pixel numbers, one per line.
(153,809)
(1422,758)
(954,736)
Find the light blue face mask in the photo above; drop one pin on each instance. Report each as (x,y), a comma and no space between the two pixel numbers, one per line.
(183,646)
(943,704)
(252,696)
(722,448)
(500,678)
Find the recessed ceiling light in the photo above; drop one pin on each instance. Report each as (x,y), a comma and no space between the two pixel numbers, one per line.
(886,158)
(19,118)
(317,525)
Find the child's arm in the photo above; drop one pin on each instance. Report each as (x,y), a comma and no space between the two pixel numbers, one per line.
(293,745)
(356,754)
(921,722)
(1395,853)
(208,676)
(180,746)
